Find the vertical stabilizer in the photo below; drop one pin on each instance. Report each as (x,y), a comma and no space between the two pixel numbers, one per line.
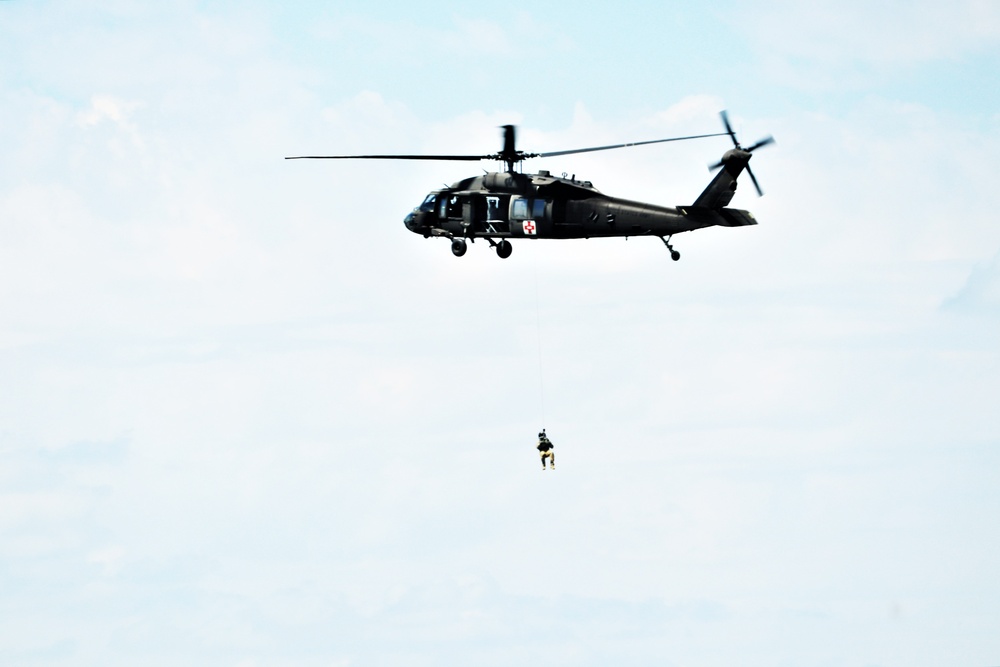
(722,188)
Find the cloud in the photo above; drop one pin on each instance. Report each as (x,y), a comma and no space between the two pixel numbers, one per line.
(887,33)
(981,291)
(106,107)
(830,46)
(108,558)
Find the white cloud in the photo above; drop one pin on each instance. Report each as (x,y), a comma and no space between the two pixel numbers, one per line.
(106,107)
(889,33)
(109,559)
(981,291)
(831,47)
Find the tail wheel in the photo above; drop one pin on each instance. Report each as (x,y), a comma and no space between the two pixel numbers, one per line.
(458,247)
(674,255)
(504,249)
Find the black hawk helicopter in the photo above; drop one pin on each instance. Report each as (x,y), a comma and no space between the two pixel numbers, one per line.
(499,206)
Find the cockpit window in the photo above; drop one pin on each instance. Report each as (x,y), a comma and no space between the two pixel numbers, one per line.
(428,204)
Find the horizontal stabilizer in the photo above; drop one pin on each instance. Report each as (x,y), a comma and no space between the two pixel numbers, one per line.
(723,217)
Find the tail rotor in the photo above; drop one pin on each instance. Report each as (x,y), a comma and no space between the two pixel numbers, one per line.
(739,149)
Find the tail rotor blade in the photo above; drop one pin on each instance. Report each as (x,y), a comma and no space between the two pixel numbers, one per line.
(763,142)
(760,193)
(729,128)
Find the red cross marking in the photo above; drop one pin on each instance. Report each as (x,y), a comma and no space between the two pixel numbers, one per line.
(529,226)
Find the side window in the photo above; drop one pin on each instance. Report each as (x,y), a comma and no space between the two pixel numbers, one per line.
(443,208)
(528,209)
(493,208)
(538,209)
(455,207)
(428,204)
(519,209)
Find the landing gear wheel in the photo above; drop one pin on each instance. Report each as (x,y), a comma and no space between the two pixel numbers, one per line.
(504,249)
(674,255)
(458,247)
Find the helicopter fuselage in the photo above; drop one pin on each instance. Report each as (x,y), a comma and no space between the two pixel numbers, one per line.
(499,206)
(502,205)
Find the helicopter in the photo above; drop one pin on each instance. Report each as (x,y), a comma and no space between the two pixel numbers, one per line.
(499,206)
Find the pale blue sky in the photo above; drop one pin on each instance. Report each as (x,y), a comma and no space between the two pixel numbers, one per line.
(247,419)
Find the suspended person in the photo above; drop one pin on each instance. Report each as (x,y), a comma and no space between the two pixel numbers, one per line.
(545,449)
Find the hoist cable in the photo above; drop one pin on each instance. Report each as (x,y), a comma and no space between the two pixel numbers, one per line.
(538,331)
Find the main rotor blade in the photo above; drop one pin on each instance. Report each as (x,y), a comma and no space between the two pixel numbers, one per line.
(763,142)
(467,158)
(635,143)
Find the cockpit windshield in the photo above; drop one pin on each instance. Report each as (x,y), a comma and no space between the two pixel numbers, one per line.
(428,204)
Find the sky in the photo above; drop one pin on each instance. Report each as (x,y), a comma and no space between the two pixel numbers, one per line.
(248,419)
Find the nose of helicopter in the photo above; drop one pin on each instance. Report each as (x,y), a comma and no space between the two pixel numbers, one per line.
(416,221)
